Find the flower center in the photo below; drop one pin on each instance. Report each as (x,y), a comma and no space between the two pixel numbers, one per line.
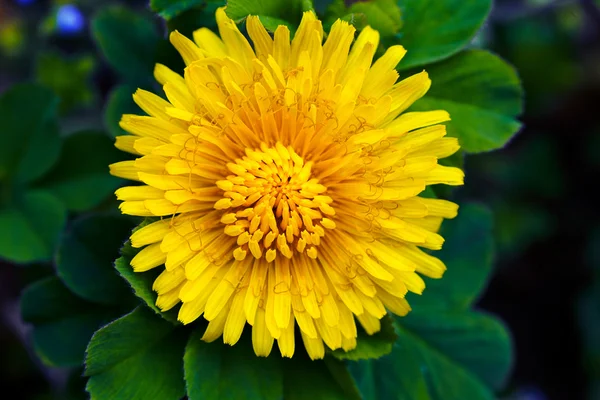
(275,205)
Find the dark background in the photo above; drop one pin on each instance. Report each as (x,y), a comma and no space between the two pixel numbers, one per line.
(546,286)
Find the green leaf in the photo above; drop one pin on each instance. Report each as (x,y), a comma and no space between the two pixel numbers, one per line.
(189,21)
(483,95)
(63,323)
(30,141)
(469,266)
(128,40)
(218,371)
(81,179)
(136,357)
(85,258)
(397,376)
(371,346)
(477,342)
(171,8)
(290,11)
(68,77)
(357,20)
(30,227)
(340,373)
(436,29)
(141,282)
(309,380)
(271,23)
(307,5)
(450,356)
(383,15)
(120,101)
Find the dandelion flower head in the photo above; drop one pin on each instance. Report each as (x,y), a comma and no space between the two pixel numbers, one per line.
(284,179)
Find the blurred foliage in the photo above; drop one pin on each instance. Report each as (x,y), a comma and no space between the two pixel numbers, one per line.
(68,78)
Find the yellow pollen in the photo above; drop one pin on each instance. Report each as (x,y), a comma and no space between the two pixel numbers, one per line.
(273,206)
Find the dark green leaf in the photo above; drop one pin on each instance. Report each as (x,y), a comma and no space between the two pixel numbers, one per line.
(81,179)
(439,355)
(469,266)
(63,323)
(436,29)
(397,376)
(30,227)
(218,371)
(371,346)
(309,380)
(128,40)
(483,95)
(271,23)
(340,373)
(474,341)
(86,254)
(191,20)
(171,8)
(30,141)
(307,5)
(120,101)
(141,282)
(136,357)
(383,15)
(358,20)
(290,11)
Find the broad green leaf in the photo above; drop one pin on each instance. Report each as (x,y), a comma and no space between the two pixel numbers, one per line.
(68,77)
(469,266)
(141,282)
(30,141)
(290,11)
(383,15)
(477,342)
(397,376)
(192,20)
(128,40)
(80,178)
(271,23)
(62,323)
(450,356)
(307,5)
(358,20)
(436,29)
(371,346)
(309,380)
(341,374)
(171,8)
(30,227)
(120,101)
(136,357)
(218,371)
(483,95)
(86,254)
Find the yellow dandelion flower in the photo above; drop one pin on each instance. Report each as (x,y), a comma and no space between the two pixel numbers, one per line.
(286,178)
